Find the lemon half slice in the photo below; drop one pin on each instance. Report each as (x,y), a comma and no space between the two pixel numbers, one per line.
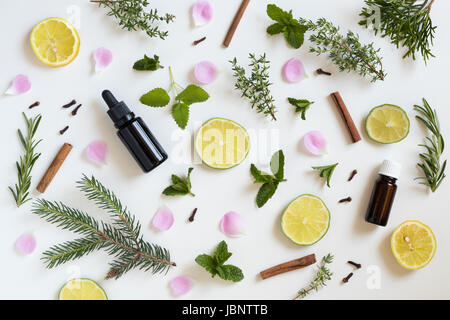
(55,42)
(387,124)
(82,289)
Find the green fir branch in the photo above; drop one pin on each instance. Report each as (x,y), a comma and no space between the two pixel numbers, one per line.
(26,162)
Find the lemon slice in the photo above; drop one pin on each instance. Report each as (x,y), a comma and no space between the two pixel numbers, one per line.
(305,220)
(82,289)
(413,244)
(55,42)
(387,124)
(222,143)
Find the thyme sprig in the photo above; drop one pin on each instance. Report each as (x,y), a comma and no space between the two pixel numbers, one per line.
(346,52)
(133,16)
(322,276)
(406,22)
(26,162)
(433,169)
(121,238)
(256,86)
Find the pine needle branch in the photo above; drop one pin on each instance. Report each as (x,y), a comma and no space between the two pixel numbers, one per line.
(121,239)
(26,162)
(433,170)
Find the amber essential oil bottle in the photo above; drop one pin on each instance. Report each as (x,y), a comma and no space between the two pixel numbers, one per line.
(383,193)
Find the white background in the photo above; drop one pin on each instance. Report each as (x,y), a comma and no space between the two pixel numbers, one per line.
(349,237)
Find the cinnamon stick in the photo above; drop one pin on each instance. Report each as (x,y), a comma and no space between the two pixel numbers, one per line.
(346,116)
(288,266)
(54,167)
(235,23)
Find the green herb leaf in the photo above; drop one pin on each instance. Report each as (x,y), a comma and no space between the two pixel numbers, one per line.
(147,64)
(301,105)
(180,186)
(295,34)
(277,14)
(215,265)
(180,113)
(266,192)
(260,176)
(192,94)
(277,165)
(157,97)
(293,31)
(275,28)
(326,172)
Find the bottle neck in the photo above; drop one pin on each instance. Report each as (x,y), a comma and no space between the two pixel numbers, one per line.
(123,121)
(388,179)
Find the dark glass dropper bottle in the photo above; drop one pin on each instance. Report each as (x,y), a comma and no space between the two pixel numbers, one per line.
(383,193)
(135,134)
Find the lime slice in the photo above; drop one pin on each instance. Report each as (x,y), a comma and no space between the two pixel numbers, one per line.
(305,220)
(413,244)
(222,143)
(387,124)
(82,289)
(55,42)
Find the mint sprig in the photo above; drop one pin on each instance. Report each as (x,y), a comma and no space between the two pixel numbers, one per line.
(159,97)
(148,64)
(326,172)
(180,186)
(293,31)
(270,182)
(301,105)
(215,264)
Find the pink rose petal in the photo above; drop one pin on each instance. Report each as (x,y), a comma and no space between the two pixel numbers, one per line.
(294,70)
(19,85)
(163,219)
(96,151)
(26,243)
(102,57)
(202,12)
(205,72)
(180,285)
(315,142)
(232,224)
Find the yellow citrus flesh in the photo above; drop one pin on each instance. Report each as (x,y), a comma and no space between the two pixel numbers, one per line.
(413,244)
(222,143)
(82,289)
(306,220)
(55,42)
(387,124)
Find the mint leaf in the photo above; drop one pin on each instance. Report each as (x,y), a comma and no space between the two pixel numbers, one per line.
(259,176)
(232,273)
(221,254)
(180,113)
(192,94)
(326,172)
(277,165)
(208,263)
(277,14)
(157,97)
(301,105)
(295,35)
(266,192)
(180,186)
(275,28)
(147,64)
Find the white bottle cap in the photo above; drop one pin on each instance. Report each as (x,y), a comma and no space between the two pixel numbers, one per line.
(390,169)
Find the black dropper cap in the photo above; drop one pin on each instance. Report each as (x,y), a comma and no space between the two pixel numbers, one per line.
(118,111)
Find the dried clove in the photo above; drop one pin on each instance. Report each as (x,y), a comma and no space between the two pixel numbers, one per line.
(352,175)
(34,105)
(74,111)
(321,71)
(196,42)
(348,199)
(357,265)
(71,103)
(345,280)
(61,132)
(191,218)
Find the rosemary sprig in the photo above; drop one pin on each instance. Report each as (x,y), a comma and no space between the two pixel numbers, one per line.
(433,170)
(26,162)
(322,276)
(256,86)
(132,16)
(406,22)
(345,51)
(121,239)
